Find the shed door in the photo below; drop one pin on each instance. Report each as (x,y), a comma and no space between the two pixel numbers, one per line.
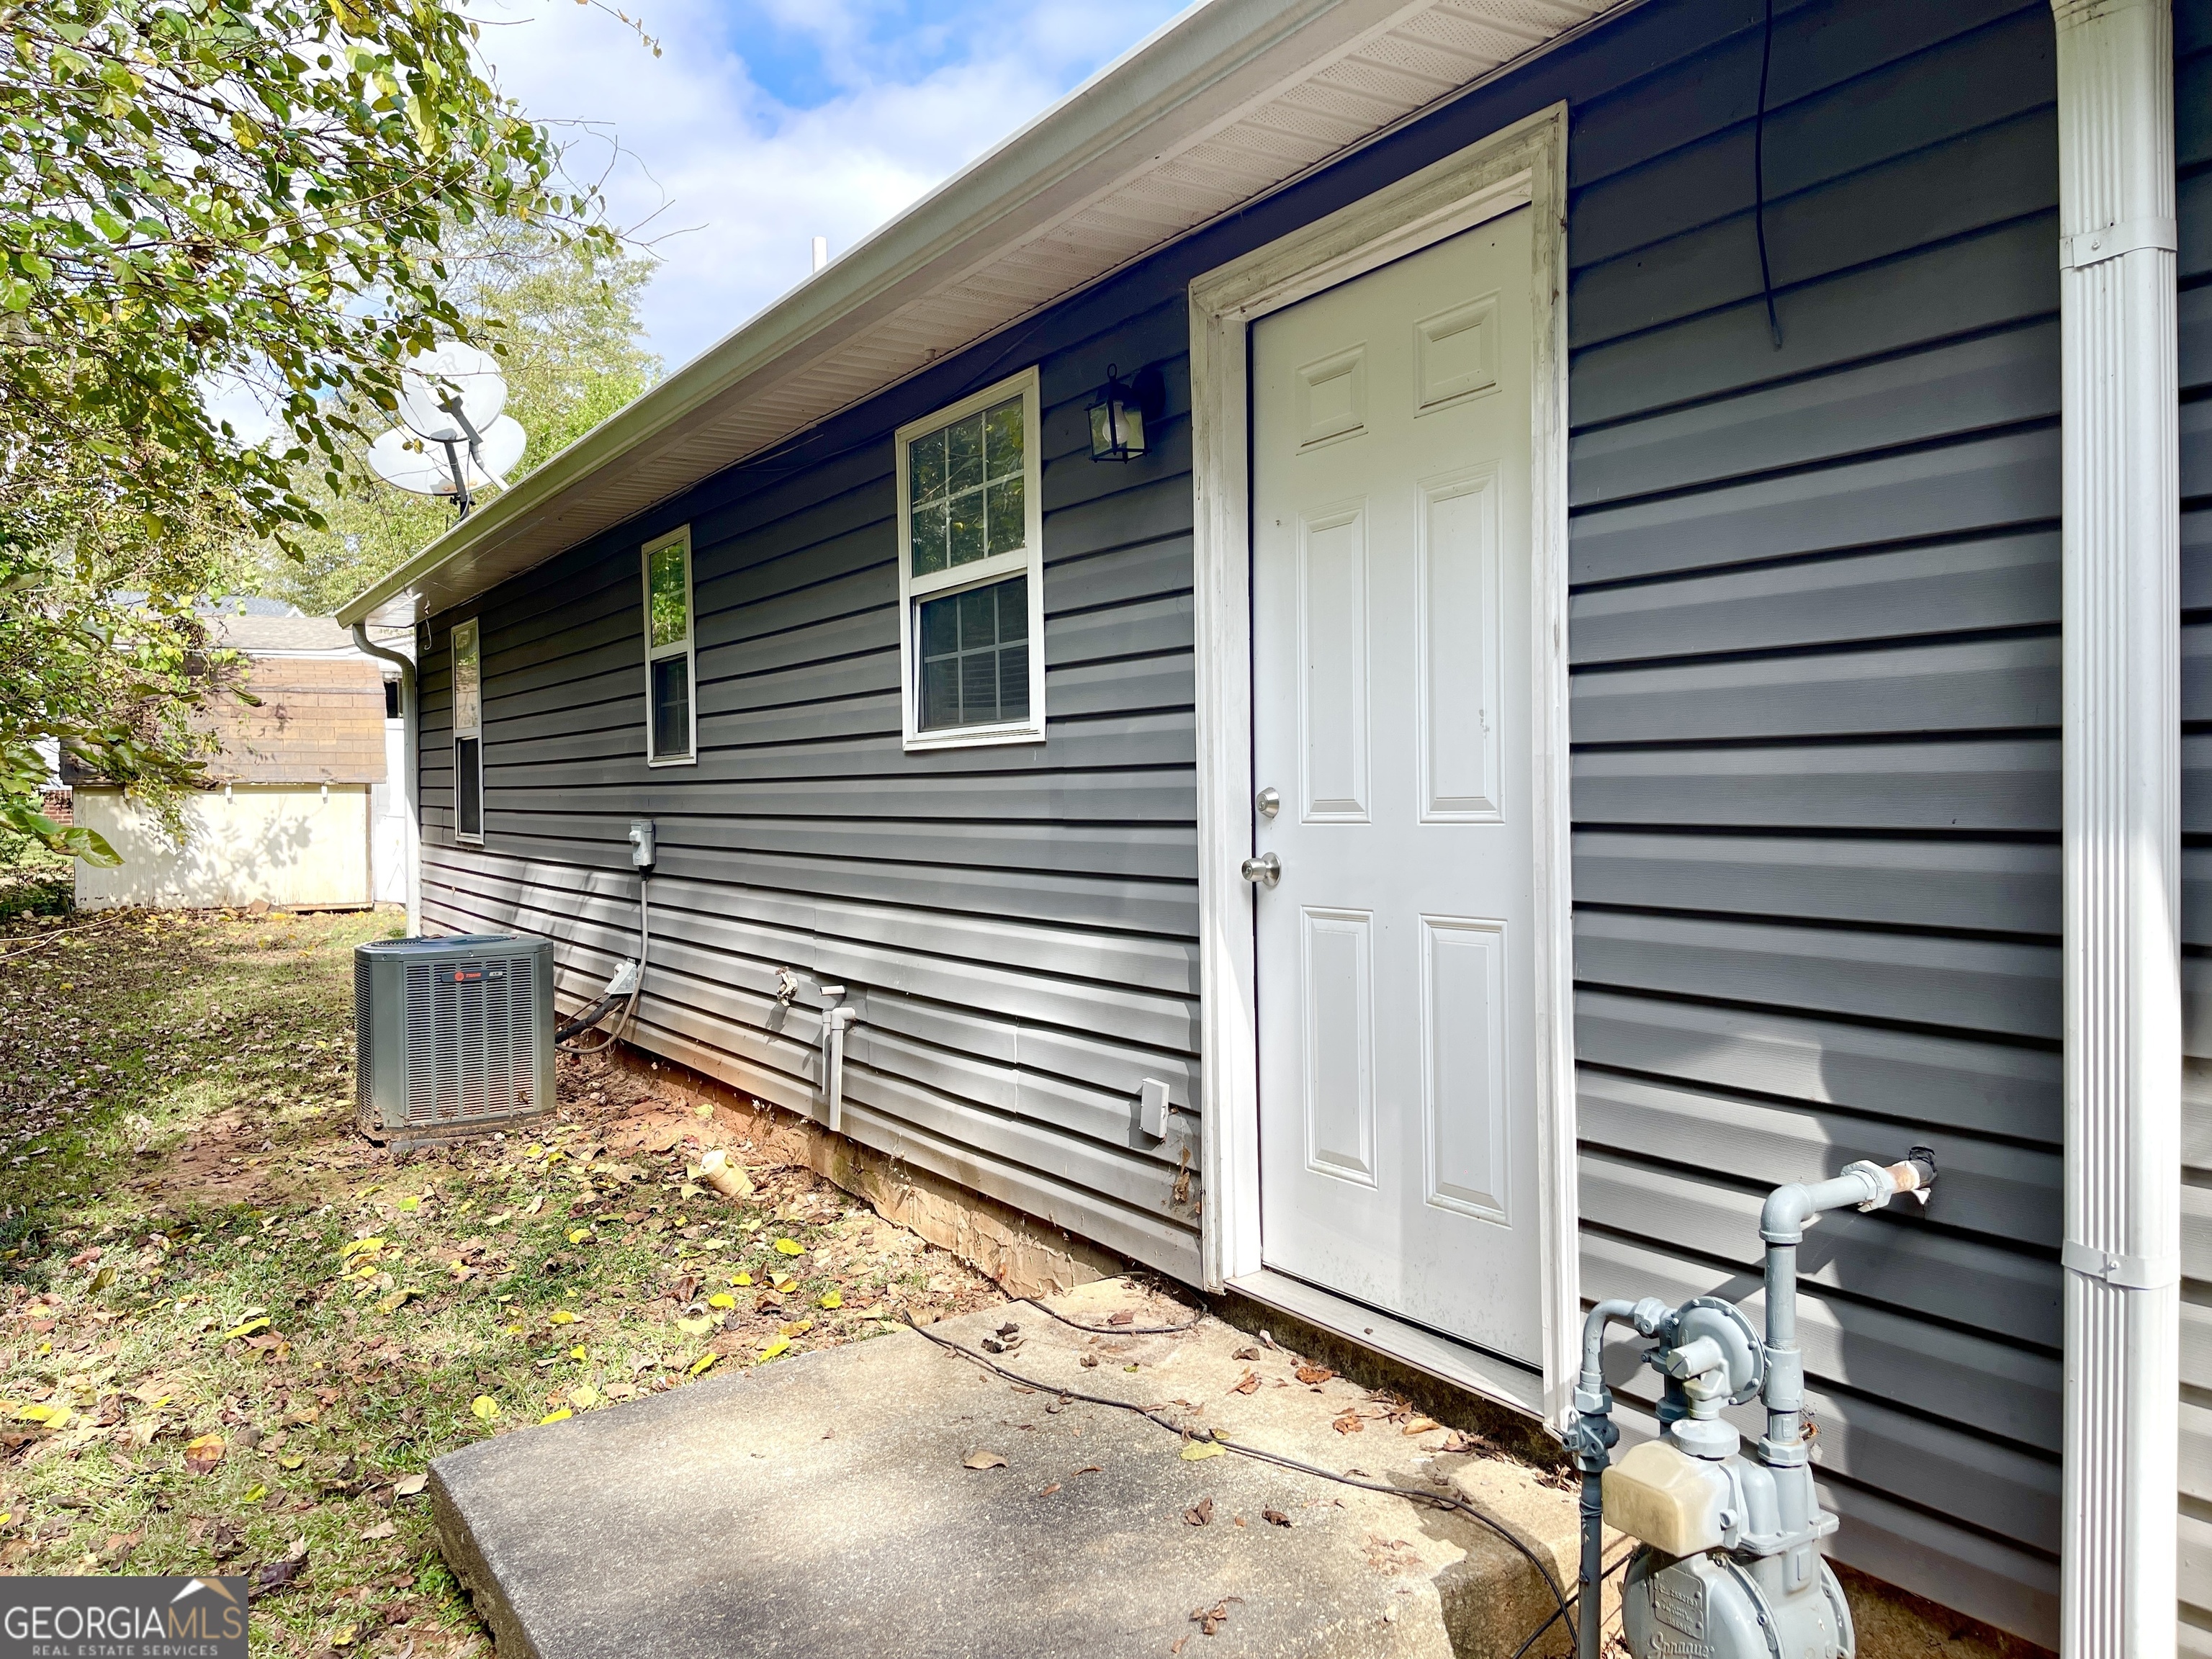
(1391,639)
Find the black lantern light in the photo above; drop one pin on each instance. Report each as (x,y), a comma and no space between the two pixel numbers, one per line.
(1117,415)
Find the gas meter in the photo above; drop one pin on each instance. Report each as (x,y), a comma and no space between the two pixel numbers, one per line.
(1728,1564)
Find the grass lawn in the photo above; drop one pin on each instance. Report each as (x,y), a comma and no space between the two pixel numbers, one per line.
(232,1334)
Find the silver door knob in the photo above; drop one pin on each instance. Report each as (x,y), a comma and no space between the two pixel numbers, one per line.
(1267,870)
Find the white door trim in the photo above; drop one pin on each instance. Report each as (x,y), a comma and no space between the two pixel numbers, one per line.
(1525,163)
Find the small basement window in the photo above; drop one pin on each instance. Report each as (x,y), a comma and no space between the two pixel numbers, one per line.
(468,733)
(671,711)
(971,589)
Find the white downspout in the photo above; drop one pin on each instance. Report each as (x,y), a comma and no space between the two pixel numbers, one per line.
(410,846)
(2122,825)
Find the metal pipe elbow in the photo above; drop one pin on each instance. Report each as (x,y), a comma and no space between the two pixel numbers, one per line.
(1782,1221)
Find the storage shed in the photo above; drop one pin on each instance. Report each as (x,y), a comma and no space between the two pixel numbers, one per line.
(1642,658)
(287,813)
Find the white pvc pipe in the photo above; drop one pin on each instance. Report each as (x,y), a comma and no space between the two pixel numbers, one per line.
(410,725)
(2122,815)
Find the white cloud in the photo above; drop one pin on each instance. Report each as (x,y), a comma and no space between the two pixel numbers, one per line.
(762,126)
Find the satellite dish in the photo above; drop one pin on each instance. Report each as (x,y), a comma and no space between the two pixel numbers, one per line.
(406,462)
(415,464)
(500,448)
(455,441)
(434,382)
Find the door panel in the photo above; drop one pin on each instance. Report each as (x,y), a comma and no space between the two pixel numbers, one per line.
(1392,640)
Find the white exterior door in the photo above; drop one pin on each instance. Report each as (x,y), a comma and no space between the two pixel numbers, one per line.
(1391,653)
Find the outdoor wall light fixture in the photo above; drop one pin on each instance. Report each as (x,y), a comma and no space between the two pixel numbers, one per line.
(1117,414)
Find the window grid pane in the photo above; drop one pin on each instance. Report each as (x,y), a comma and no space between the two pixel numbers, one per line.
(671,707)
(468,684)
(468,788)
(672,598)
(965,490)
(976,656)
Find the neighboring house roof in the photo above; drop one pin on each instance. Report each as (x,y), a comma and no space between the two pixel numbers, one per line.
(1226,104)
(261,634)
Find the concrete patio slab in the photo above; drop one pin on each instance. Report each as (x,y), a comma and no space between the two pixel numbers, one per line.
(825,1506)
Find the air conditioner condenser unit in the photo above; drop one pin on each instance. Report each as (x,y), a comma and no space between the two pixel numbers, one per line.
(454,1036)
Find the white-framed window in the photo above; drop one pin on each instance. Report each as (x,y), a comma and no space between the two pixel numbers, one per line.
(971,571)
(672,708)
(468,733)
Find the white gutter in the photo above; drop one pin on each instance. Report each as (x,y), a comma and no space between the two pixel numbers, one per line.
(2122,826)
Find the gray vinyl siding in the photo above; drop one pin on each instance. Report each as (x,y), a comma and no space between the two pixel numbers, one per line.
(1815,655)
(1814,711)
(2192,103)
(1018,925)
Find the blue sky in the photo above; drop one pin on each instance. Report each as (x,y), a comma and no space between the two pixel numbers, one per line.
(764,123)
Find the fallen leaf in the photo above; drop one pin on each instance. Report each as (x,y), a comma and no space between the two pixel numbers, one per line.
(408,1485)
(578,1235)
(584,1396)
(359,1245)
(1210,1620)
(983,1460)
(695,1327)
(789,1247)
(1349,1424)
(1124,1317)
(779,1345)
(721,1299)
(699,1366)
(1194,1450)
(396,1300)
(272,1576)
(786,1285)
(561,1316)
(381,1529)
(560,1416)
(1421,1426)
(1248,1384)
(484,1406)
(1049,1491)
(1090,1468)
(256,1493)
(1088,1361)
(247,1329)
(578,1352)
(1311,1375)
(740,1279)
(535,1204)
(410,1202)
(204,1454)
(346,1635)
(291,1462)
(1200,1513)
(1245,1353)
(1275,1517)
(833,1298)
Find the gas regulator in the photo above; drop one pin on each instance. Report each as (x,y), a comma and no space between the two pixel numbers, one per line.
(1729,1564)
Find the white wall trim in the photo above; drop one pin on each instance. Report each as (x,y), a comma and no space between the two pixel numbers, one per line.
(1525,163)
(2122,796)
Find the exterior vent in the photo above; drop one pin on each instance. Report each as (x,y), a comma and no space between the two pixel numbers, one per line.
(454,1035)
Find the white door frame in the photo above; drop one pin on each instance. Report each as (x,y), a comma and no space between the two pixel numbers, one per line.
(1524,164)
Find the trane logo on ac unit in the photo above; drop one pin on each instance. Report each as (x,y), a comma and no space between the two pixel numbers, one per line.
(471,974)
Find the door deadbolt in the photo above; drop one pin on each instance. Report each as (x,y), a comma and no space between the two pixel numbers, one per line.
(1269,802)
(1266,870)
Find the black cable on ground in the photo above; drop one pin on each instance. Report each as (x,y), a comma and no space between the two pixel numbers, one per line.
(1552,1617)
(1117,1330)
(1436,1499)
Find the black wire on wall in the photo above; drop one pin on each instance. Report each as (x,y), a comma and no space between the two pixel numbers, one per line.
(1758,176)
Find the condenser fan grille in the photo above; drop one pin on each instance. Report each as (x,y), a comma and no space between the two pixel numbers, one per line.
(471,1050)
